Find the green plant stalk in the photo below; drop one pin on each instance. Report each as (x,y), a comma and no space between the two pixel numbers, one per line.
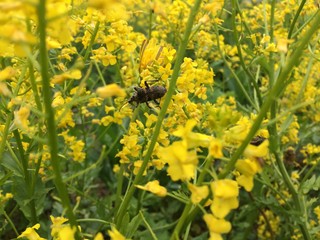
(171,89)
(94,34)
(10,222)
(50,117)
(298,201)
(236,39)
(189,213)
(27,178)
(5,134)
(273,94)
(293,23)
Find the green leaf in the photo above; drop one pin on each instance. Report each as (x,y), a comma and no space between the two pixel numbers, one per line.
(133,225)
(9,163)
(24,196)
(124,224)
(312,183)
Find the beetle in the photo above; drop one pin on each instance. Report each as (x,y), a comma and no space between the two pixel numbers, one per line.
(144,95)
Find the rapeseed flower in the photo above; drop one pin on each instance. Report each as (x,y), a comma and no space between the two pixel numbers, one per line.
(248,168)
(225,197)
(31,234)
(216,226)
(155,188)
(192,139)
(115,234)
(21,118)
(182,163)
(198,193)
(110,90)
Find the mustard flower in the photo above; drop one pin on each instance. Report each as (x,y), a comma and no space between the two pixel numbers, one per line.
(248,168)
(150,52)
(215,148)
(214,7)
(21,118)
(260,151)
(115,234)
(99,236)
(57,223)
(182,163)
(4,90)
(110,90)
(225,194)
(155,188)
(238,133)
(137,165)
(192,139)
(66,233)
(31,234)
(4,199)
(316,210)
(72,74)
(216,226)
(198,193)
(7,73)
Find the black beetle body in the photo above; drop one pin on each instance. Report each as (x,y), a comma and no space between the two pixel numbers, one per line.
(144,95)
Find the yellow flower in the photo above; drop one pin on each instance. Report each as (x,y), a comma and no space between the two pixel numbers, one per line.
(21,117)
(66,233)
(31,234)
(115,234)
(225,197)
(216,226)
(215,148)
(238,133)
(57,225)
(198,192)
(225,188)
(137,165)
(248,166)
(99,236)
(7,73)
(192,139)
(260,151)
(72,74)
(110,90)
(155,188)
(316,210)
(182,163)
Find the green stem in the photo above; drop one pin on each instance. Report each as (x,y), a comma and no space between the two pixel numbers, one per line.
(297,198)
(243,64)
(171,89)
(189,213)
(273,94)
(50,117)
(93,37)
(34,87)
(10,222)
(27,178)
(296,18)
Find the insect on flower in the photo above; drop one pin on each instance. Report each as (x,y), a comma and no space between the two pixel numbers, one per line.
(144,95)
(149,93)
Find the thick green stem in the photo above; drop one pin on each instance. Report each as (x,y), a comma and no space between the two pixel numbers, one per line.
(50,117)
(156,131)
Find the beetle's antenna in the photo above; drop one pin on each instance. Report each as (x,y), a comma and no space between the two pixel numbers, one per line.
(142,49)
(126,103)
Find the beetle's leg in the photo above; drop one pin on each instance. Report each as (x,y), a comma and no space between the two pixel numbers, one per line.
(148,105)
(155,100)
(147,85)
